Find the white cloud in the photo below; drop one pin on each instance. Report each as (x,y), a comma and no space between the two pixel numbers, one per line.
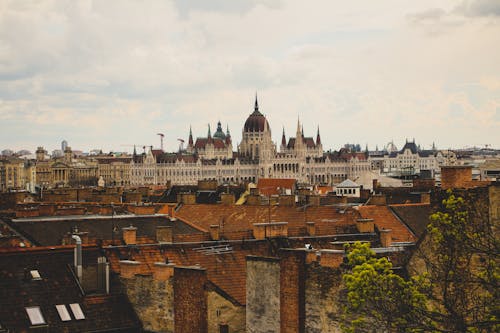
(107,73)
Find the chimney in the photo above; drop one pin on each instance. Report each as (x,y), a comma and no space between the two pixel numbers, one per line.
(130,235)
(385,237)
(425,198)
(374,184)
(78,257)
(163,271)
(164,234)
(259,231)
(331,258)
(129,268)
(227,198)
(365,225)
(311,228)
(214,232)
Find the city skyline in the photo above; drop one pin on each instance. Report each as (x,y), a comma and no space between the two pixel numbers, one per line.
(110,75)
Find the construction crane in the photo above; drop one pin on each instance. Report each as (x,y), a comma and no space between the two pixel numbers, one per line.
(161,140)
(181,144)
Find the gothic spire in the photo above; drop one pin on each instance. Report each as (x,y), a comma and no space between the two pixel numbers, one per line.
(283,139)
(318,138)
(190,140)
(256,106)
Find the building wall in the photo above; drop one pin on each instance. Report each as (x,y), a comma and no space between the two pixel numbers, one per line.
(323,307)
(222,311)
(263,295)
(153,301)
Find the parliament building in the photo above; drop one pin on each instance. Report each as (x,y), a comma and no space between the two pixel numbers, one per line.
(212,158)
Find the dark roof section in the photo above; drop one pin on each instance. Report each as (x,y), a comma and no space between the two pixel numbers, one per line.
(104,313)
(415,216)
(256,122)
(50,231)
(411,146)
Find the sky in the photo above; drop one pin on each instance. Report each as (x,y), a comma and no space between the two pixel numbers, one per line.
(110,74)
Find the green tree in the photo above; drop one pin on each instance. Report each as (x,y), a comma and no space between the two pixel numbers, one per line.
(461,257)
(455,274)
(377,298)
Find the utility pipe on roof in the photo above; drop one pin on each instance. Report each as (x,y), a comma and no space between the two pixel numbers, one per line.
(78,257)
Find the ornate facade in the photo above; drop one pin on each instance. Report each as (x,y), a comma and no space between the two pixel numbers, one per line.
(212,157)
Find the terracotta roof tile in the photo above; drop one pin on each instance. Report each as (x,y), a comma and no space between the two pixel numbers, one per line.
(385,219)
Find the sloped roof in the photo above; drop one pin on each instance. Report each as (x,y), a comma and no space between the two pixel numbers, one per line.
(57,286)
(348,183)
(415,216)
(271,186)
(384,218)
(237,221)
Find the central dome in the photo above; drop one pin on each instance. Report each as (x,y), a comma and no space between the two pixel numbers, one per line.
(256,122)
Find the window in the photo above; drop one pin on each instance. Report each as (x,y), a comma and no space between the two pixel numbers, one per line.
(77,311)
(35,315)
(63,312)
(35,275)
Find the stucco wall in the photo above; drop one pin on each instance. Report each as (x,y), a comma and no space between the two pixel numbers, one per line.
(263,295)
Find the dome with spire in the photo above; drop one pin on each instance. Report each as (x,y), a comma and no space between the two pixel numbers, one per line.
(219,133)
(256,122)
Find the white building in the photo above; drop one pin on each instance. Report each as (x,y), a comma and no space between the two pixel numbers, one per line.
(302,158)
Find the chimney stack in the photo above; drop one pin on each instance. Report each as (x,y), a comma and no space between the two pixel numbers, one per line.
(130,235)
(385,237)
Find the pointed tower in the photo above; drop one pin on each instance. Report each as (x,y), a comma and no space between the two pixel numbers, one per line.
(319,145)
(228,135)
(135,152)
(190,146)
(256,106)
(318,138)
(283,138)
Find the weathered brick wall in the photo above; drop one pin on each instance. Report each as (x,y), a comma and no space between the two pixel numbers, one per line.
(455,177)
(190,299)
(292,293)
(153,301)
(323,300)
(263,295)
(222,311)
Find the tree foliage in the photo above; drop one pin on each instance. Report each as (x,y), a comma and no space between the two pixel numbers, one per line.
(377,298)
(454,289)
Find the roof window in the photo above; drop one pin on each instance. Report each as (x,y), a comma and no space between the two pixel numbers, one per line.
(35,315)
(77,311)
(63,312)
(35,275)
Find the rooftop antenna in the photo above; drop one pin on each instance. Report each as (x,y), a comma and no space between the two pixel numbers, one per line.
(161,140)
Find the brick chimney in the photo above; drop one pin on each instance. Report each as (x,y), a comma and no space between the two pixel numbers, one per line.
(227,198)
(385,237)
(331,258)
(130,235)
(311,228)
(214,232)
(425,198)
(163,271)
(365,225)
(164,234)
(129,268)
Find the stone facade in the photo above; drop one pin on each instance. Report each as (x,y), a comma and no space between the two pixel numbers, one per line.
(302,158)
(153,301)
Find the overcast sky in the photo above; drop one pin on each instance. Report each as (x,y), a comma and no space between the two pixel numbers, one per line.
(111,74)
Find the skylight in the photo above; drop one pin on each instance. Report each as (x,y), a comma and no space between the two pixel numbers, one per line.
(77,311)
(63,312)
(35,315)
(35,275)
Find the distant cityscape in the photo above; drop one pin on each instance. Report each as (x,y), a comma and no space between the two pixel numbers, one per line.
(213,157)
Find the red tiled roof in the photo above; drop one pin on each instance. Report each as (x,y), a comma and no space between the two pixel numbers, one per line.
(270,186)
(385,219)
(238,220)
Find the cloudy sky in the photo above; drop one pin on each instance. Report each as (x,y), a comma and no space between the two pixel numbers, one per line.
(110,74)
